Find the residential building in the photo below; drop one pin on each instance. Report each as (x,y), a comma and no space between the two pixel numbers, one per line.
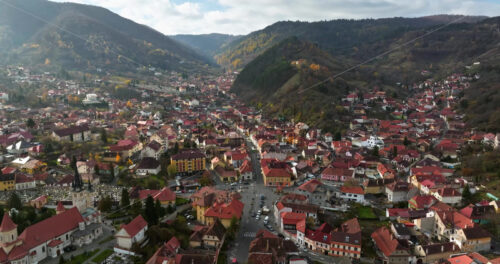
(268,248)
(189,161)
(390,249)
(131,233)
(276,173)
(73,134)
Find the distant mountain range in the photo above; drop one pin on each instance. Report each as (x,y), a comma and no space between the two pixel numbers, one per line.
(207,44)
(76,36)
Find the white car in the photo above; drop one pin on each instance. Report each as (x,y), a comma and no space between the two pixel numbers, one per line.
(266,218)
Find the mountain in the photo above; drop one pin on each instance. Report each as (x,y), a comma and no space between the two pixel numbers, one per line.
(339,37)
(38,32)
(273,82)
(206,44)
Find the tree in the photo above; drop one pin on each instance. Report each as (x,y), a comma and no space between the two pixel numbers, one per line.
(136,208)
(49,148)
(176,148)
(30,123)
(205,181)
(104,136)
(375,151)
(466,195)
(125,201)
(105,204)
(171,170)
(150,211)
(406,142)
(96,169)
(310,222)
(394,151)
(61,260)
(160,211)
(14,202)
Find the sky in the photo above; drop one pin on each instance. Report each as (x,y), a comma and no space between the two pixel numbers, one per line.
(244,16)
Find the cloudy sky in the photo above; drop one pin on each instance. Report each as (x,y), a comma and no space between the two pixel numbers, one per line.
(244,16)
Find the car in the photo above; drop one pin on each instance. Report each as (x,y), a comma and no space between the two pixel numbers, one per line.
(266,222)
(271,228)
(259,212)
(266,218)
(257,217)
(69,248)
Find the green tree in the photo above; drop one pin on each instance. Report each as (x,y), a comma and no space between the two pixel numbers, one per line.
(466,195)
(160,211)
(125,201)
(406,142)
(150,211)
(375,151)
(104,136)
(30,123)
(136,208)
(394,151)
(105,204)
(205,181)
(14,202)
(61,260)
(171,170)
(176,148)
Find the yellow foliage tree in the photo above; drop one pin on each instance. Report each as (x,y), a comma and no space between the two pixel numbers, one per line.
(129,104)
(117,157)
(47,61)
(314,67)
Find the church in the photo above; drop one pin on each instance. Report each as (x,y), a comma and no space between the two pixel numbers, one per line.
(77,226)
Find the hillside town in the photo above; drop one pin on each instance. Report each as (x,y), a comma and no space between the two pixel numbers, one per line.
(177,169)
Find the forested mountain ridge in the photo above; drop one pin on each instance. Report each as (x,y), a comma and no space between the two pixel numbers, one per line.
(338,37)
(38,32)
(447,51)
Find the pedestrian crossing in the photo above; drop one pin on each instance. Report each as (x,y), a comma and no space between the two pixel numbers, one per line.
(249,234)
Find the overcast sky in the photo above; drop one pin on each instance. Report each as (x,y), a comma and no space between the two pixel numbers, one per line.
(244,16)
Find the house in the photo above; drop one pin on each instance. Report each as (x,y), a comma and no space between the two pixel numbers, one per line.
(224,212)
(153,150)
(25,181)
(288,222)
(125,148)
(246,170)
(276,173)
(189,161)
(73,133)
(268,248)
(226,175)
(129,234)
(148,166)
(337,174)
(46,238)
(205,198)
(473,239)
(211,236)
(344,241)
(7,182)
(315,191)
(166,253)
(433,253)
(165,196)
(397,191)
(390,249)
(352,193)
(448,195)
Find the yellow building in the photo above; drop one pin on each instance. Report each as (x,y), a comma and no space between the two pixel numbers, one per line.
(7,182)
(189,161)
(276,173)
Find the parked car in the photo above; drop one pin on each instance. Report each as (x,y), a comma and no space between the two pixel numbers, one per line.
(69,248)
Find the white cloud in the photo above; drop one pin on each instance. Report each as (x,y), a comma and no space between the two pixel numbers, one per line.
(244,16)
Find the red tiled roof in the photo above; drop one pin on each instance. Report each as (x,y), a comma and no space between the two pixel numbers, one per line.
(135,226)
(7,223)
(164,194)
(54,242)
(51,228)
(291,218)
(226,211)
(310,186)
(385,242)
(352,189)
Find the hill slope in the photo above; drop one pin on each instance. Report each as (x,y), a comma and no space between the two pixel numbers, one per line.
(82,36)
(271,81)
(338,37)
(206,44)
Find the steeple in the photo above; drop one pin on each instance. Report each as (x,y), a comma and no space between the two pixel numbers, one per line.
(7,224)
(77,181)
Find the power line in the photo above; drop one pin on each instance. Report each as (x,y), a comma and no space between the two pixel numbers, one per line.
(64,30)
(380,55)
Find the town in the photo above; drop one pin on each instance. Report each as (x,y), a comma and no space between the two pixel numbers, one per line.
(176,169)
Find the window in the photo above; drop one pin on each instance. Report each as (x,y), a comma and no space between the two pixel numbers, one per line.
(43,249)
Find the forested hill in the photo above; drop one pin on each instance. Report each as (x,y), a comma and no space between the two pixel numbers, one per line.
(40,32)
(338,37)
(274,78)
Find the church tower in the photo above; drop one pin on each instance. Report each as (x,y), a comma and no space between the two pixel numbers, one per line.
(81,198)
(8,233)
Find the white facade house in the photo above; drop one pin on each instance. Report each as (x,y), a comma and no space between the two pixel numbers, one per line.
(133,232)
